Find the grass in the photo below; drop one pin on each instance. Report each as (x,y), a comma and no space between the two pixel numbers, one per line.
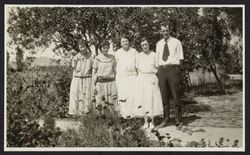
(99,131)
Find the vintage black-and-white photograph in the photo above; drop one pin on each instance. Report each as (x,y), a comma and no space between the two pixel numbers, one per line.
(132,77)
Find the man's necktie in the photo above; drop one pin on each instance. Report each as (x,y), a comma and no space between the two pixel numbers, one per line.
(165,52)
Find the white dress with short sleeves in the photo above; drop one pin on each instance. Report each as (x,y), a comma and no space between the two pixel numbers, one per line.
(148,99)
(105,87)
(125,80)
(80,101)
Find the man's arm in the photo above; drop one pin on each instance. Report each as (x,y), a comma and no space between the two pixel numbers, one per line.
(180,52)
(157,52)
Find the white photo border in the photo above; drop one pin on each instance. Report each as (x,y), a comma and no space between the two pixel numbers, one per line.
(96,149)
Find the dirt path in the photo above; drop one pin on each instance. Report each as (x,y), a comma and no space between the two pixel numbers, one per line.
(215,118)
(225,111)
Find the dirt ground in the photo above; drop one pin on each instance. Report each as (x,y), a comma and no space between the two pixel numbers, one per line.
(210,118)
(224,111)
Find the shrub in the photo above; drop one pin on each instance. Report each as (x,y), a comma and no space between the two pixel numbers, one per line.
(30,96)
(98,131)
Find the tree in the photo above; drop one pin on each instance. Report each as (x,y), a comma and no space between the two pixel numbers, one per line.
(8,57)
(19,59)
(233,18)
(204,32)
(32,27)
(29,61)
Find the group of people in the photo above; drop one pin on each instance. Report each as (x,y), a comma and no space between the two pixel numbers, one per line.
(130,83)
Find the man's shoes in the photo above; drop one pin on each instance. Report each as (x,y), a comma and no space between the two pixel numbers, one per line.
(162,125)
(179,126)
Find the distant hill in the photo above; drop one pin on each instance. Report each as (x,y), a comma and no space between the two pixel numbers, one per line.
(45,61)
(42,61)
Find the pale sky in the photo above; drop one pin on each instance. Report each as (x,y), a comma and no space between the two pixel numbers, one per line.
(41,52)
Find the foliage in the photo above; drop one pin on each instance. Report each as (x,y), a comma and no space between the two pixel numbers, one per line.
(62,26)
(204,32)
(32,95)
(29,61)
(42,92)
(97,131)
(235,17)
(168,141)
(23,132)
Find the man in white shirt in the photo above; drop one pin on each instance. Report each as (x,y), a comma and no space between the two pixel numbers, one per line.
(170,54)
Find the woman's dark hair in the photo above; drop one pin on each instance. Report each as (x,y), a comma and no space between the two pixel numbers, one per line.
(116,42)
(165,23)
(82,42)
(105,43)
(143,39)
(125,36)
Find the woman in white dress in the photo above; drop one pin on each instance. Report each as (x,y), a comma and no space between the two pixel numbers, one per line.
(148,102)
(125,77)
(80,90)
(104,80)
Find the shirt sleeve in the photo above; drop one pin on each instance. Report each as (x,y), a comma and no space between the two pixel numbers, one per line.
(93,54)
(114,65)
(95,65)
(156,60)
(94,72)
(74,61)
(180,50)
(116,55)
(137,61)
(157,53)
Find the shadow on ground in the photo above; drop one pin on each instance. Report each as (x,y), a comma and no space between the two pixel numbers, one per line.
(186,120)
(189,110)
(191,106)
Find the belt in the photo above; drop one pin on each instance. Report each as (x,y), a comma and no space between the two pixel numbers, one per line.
(149,74)
(82,77)
(104,80)
(170,65)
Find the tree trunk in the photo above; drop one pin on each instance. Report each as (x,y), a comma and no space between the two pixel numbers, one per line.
(8,57)
(218,79)
(19,59)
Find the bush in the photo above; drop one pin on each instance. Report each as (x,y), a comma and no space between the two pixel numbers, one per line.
(25,133)
(30,96)
(105,131)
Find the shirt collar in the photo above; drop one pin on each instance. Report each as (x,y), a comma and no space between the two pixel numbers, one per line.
(80,56)
(146,54)
(167,39)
